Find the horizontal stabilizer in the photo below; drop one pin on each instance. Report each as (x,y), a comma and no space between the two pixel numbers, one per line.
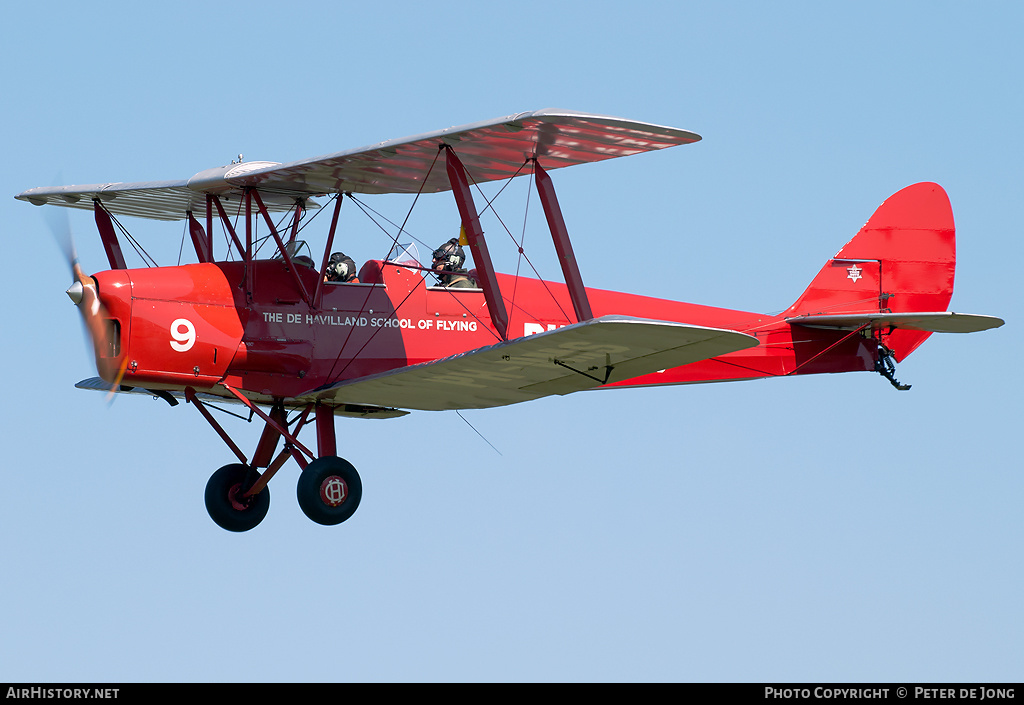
(930,322)
(570,359)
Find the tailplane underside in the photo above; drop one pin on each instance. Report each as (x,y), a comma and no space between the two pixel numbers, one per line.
(930,322)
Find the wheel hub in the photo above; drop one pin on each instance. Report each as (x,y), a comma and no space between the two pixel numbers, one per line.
(237,498)
(333,491)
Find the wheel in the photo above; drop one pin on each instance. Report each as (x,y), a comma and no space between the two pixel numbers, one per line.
(225,503)
(329,490)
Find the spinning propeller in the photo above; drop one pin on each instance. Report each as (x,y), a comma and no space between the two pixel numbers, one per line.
(84,293)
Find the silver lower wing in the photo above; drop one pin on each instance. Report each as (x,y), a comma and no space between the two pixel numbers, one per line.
(570,359)
(174,396)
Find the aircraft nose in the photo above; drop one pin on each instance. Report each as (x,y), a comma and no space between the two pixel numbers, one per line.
(75,292)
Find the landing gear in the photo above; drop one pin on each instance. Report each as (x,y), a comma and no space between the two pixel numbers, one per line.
(226,499)
(329,490)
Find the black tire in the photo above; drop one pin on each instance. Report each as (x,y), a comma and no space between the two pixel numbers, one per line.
(329,490)
(224,501)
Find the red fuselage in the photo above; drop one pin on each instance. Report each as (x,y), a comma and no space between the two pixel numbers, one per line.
(199,324)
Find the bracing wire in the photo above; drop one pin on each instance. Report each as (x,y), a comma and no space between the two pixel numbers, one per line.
(147,259)
(519,246)
(181,247)
(477,432)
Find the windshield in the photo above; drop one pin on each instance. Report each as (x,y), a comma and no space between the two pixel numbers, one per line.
(406,253)
(296,248)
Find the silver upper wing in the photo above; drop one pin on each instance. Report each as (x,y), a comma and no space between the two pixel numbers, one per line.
(490,150)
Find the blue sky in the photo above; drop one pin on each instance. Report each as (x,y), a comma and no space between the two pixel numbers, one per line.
(826,528)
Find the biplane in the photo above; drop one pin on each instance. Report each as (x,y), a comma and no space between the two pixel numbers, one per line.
(258,323)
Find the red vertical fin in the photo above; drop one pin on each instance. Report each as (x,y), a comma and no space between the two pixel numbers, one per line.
(902,260)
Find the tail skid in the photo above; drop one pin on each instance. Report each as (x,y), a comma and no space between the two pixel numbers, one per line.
(887,368)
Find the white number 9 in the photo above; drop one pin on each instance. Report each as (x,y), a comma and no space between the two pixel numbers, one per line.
(183,339)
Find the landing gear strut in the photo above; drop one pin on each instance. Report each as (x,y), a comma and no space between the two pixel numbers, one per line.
(328,490)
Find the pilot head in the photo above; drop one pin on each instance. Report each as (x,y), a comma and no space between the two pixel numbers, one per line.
(342,268)
(449,257)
